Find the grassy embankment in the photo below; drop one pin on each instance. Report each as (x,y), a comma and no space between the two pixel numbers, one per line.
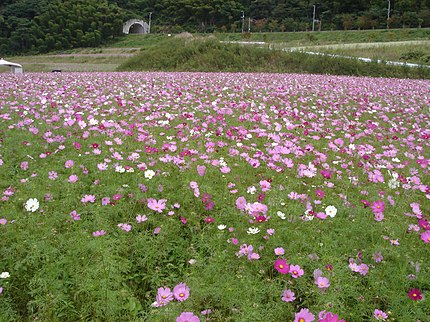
(210,55)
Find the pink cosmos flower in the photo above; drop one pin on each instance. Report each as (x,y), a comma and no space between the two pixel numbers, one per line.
(241,203)
(24,165)
(52,175)
(181,292)
(322,282)
(193,185)
(125,227)
(377,257)
(88,198)
(3,221)
(304,316)
(282,266)
(75,215)
(380,315)
(378,206)
(328,317)
(288,296)
(201,170)
(265,185)
(102,166)
(319,193)
(157,230)
(425,236)
(246,250)
(363,269)
(105,201)
(69,164)
(296,271)
(164,296)
(321,215)
(141,218)
(187,317)
(116,197)
(73,178)
(157,206)
(225,169)
(279,251)
(99,233)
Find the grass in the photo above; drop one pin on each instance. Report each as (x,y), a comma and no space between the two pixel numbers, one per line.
(411,53)
(295,144)
(292,39)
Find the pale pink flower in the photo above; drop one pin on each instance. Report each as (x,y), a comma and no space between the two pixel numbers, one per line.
(288,296)
(157,206)
(141,218)
(181,292)
(69,164)
(304,315)
(380,315)
(322,282)
(187,317)
(296,271)
(279,251)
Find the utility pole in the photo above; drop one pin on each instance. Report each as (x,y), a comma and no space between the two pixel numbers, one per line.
(388,14)
(249,24)
(313,20)
(243,19)
(149,24)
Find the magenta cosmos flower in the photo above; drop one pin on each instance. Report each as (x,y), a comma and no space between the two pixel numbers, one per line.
(425,236)
(187,317)
(304,316)
(181,292)
(282,266)
(415,294)
(378,206)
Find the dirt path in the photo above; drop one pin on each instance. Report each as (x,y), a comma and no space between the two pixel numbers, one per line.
(363,45)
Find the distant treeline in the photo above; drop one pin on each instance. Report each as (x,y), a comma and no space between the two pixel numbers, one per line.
(46,25)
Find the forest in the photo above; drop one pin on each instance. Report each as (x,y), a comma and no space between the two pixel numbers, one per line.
(38,26)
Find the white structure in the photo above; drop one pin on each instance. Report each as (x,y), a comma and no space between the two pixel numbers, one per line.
(135,26)
(14,68)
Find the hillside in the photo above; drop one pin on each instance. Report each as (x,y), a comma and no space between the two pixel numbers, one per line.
(31,26)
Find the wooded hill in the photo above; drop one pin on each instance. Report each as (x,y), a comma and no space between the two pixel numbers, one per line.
(39,26)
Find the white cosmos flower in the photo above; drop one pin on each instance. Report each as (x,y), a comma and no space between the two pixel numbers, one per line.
(251,190)
(32,205)
(4,275)
(149,174)
(281,215)
(119,169)
(253,230)
(222,227)
(331,211)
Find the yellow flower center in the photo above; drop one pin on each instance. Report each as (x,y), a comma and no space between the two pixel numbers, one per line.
(181,294)
(281,266)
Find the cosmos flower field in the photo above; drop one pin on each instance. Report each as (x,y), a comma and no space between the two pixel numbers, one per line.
(214,197)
